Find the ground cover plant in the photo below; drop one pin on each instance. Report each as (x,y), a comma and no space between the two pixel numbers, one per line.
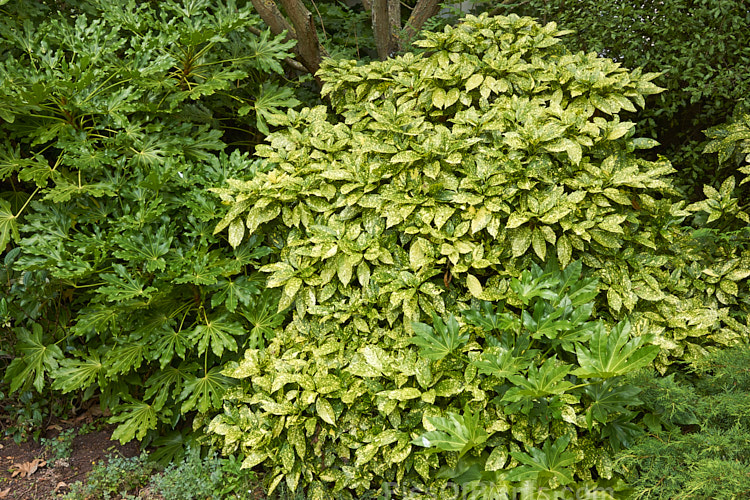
(429,188)
(114,122)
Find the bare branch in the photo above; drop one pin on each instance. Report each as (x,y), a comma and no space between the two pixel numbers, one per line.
(273,17)
(394,21)
(380,27)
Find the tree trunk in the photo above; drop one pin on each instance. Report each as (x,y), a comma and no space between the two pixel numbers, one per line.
(386,25)
(424,10)
(308,48)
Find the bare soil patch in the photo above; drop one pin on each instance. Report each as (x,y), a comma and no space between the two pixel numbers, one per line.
(26,473)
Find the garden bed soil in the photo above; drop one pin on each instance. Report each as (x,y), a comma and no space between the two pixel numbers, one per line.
(26,473)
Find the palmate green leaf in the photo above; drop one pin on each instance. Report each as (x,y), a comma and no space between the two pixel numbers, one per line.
(65,190)
(613,353)
(11,160)
(488,318)
(268,53)
(160,383)
(37,359)
(531,286)
(125,358)
(579,291)
(95,318)
(499,362)
(539,382)
(200,268)
(136,418)
(123,286)
(76,374)
(204,393)
(455,432)
(438,341)
(552,461)
(269,104)
(218,333)
(232,292)
(263,314)
(39,172)
(609,398)
(546,321)
(169,342)
(145,246)
(8,225)
(621,432)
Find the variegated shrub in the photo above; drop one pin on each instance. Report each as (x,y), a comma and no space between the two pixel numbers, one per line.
(437,177)
(442,175)
(429,185)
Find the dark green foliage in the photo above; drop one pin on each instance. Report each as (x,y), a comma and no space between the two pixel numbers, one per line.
(345,31)
(703,448)
(114,123)
(702,47)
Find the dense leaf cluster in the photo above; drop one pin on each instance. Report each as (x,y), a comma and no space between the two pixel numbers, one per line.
(432,183)
(702,47)
(445,174)
(505,397)
(702,449)
(113,124)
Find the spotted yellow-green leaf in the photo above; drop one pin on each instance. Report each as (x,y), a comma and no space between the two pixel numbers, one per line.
(729,287)
(406,156)
(520,241)
(474,286)
(614,299)
(516,219)
(451,97)
(253,458)
(438,98)
(564,250)
(474,81)
(497,459)
(404,394)
(417,253)
(481,219)
(619,130)
(539,243)
(236,232)
(646,292)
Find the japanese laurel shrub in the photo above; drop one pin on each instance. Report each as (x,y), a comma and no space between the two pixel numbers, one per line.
(112,123)
(436,178)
